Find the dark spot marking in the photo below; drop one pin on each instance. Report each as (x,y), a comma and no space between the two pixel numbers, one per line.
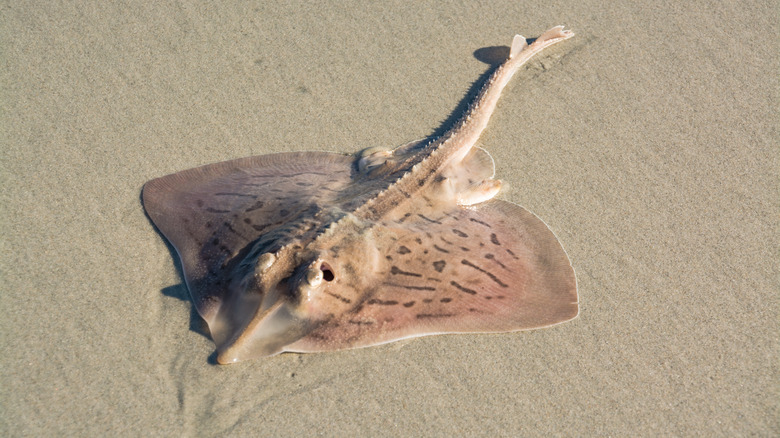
(492,257)
(283,212)
(418,240)
(405,194)
(429,288)
(255,206)
(208,224)
(199,203)
(339,297)
(488,298)
(290,175)
(438,248)
(494,239)
(488,273)
(352,321)
(403,250)
(396,271)
(215,242)
(445,300)
(406,216)
(303,184)
(243,195)
(429,220)
(247,220)
(409,304)
(381,302)
(463,248)
(463,288)
(439,265)
(509,251)
(459,233)
(231,229)
(216,210)
(434,315)
(445,241)
(427,300)
(389,257)
(480,222)
(500,297)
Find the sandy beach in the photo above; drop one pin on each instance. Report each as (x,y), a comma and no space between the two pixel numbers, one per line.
(648,143)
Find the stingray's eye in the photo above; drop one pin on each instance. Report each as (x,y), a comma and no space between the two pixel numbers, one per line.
(327,272)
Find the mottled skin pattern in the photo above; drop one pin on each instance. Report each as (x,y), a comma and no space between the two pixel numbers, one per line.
(314,251)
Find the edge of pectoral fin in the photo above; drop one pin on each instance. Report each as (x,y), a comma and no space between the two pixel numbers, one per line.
(211,214)
(494,268)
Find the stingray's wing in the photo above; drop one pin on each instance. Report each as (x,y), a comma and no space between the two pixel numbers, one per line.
(492,268)
(211,213)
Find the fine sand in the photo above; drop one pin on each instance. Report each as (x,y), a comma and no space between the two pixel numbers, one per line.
(648,143)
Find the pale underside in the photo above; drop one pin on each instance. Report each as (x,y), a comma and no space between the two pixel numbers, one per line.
(314,251)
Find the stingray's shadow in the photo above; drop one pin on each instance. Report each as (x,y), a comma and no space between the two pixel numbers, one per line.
(493,56)
(179,291)
(197,324)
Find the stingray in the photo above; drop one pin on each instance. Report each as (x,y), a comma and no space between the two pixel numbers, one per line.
(315,251)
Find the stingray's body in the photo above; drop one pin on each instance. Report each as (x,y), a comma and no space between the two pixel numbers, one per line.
(314,251)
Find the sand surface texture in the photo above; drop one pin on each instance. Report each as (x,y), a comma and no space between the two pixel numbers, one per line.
(649,144)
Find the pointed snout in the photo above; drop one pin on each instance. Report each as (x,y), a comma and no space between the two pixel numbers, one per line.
(266,335)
